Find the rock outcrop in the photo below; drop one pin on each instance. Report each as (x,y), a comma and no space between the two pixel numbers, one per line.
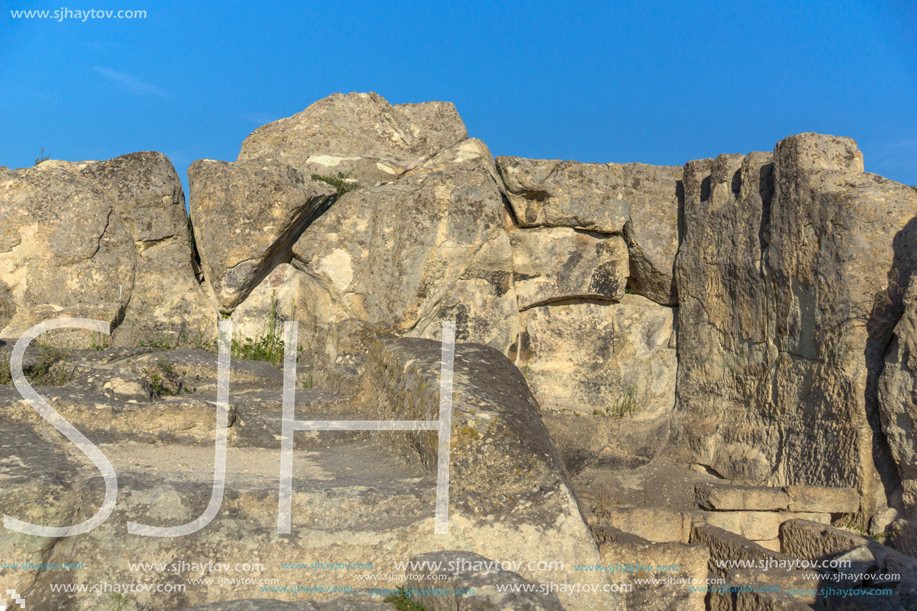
(705,363)
(783,324)
(102,240)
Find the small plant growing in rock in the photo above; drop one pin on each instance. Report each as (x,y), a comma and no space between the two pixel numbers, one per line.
(338,181)
(42,157)
(164,379)
(627,406)
(120,601)
(100,341)
(401,601)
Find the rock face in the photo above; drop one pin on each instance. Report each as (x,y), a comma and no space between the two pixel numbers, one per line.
(358,497)
(613,358)
(750,318)
(103,240)
(359,134)
(639,201)
(247,216)
(426,248)
(898,397)
(559,263)
(783,325)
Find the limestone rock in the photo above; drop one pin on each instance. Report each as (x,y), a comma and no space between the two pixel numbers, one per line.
(101,240)
(426,248)
(610,358)
(726,497)
(898,397)
(635,560)
(773,334)
(64,250)
(819,498)
(166,297)
(640,201)
(247,215)
(551,193)
(498,443)
(656,197)
(358,134)
(559,263)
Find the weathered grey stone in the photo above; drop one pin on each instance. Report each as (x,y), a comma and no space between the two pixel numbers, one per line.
(103,240)
(837,237)
(499,444)
(610,358)
(631,560)
(752,598)
(785,580)
(552,193)
(758,526)
(460,570)
(903,536)
(773,323)
(722,305)
(359,134)
(724,545)
(655,197)
(64,250)
(247,215)
(651,523)
(179,419)
(35,489)
(166,297)
(728,497)
(407,255)
(861,561)
(821,499)
(641,201)
(560,263)
(813,541)
(121,385)
(897,392)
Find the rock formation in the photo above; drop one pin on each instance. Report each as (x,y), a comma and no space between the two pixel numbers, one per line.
(654,364)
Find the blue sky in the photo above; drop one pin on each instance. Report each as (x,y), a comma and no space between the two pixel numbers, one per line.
(649,80)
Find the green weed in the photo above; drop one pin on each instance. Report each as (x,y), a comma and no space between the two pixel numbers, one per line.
(163,379)
(338,181)
(627,406)
(119,601)
(401,601)
(42,157)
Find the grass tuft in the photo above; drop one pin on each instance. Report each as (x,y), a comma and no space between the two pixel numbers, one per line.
(338,181)
(401,601)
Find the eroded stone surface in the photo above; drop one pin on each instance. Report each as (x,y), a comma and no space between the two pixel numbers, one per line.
(560,263)
(610,358)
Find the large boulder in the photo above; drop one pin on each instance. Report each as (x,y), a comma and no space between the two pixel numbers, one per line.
(898,398)
(358,135)
(783,326)
(639,201)
(167,297)
(247,215)
(560,263)
(358,497)
(428,247)
(102,240)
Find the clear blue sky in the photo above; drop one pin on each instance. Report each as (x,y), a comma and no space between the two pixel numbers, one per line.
(646,80)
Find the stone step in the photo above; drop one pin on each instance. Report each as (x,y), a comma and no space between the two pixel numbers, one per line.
(666,525)
(802,499)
